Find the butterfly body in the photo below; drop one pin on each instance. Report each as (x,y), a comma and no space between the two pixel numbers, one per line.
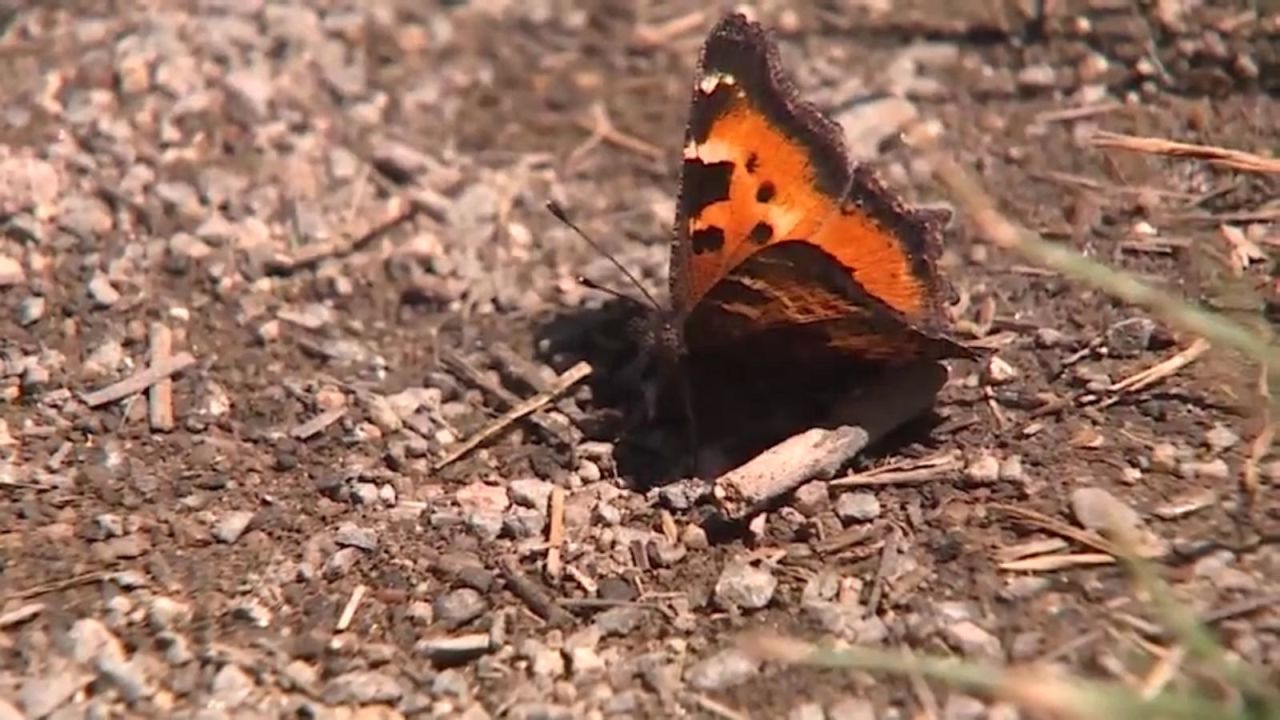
(784,251)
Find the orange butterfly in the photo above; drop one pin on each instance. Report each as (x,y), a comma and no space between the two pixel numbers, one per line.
(784,250)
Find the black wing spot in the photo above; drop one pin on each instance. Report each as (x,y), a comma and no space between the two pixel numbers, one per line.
(708,239)
(761,233)
(704,184)
(765,192)
(753,163)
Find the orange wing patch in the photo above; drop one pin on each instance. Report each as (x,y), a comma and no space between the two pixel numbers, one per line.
(772,196)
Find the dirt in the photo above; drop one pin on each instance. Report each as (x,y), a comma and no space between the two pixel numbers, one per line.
(337,210)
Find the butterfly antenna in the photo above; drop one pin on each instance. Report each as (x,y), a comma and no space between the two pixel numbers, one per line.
(563,217)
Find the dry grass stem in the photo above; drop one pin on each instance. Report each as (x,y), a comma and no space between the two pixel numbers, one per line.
(1226,157)
(998,229)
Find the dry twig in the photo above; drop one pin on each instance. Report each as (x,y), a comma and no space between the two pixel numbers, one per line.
(140,380)
(523,409)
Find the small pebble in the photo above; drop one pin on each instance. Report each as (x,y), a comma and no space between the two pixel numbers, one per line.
(232,526)
(11,272)
(811,498)
(963,707)
(352,535)
(970,639)
(807,711)
(102,292)
(857,507)
(31,309)
(1220,438)
(725,669)
(1011,469)
(745,586)
(1130,338)
(1164,456)
(459,607)
(997,371)
(1100,511)
(983,470)
(340,563)
(1215,469)
(851,708)
(531,493)
(1037,77)
(362,687)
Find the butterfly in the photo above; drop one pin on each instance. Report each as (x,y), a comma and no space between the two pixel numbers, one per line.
(785,251)
(791,266)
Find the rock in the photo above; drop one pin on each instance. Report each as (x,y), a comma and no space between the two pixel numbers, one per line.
(974,642)
(32,307)
(963,707)
(1130,337)
(450,683)
(664,553)
(11,272)
(340,563)
(362,687)
(103,294)
(1047,337)
(485,525)
(851,708)
(983,470)
(531,493)
(232,526)
(479,497)
(1100,511)
(997,371)
(745,586)
(584,662)
(352,535)
(540,711)
(1011,469)
(723,670)
(128,676)
(620,621)
(524,523)
(166,613)
(1220,438)
(807,711)
(857,507)
(27,184)
(85,216)
(9,711)
(868,124)
(1164,456)
(811,498)
(231,686)
(459,607)
(43,694)
(251,87)
(1037,77)
(1214,470)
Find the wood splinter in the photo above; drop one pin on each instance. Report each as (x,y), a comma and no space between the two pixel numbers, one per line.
(140,380)
(858,420)
(160,395)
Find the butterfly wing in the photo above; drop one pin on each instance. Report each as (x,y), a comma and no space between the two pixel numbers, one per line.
(763,169)
(793,295)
